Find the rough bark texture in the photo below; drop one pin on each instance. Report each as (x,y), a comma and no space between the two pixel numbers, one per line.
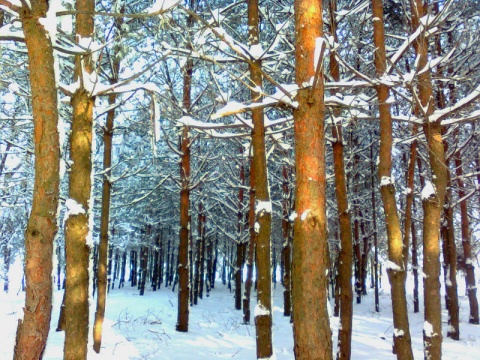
(311,328)
(263,207)
(432,205)
(33,330)
(397,270)
(80,186)
(345,255)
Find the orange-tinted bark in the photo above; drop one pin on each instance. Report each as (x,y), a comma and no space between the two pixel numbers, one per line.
(311,328)
(77,224)
(433,204)
(263,215)
(33,330)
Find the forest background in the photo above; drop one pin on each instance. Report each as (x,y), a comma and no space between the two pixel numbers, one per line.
(325,139)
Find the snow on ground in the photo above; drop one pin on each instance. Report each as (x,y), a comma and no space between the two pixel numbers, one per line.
(143,327)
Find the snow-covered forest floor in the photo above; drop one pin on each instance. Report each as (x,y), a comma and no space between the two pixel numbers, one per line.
(143,327)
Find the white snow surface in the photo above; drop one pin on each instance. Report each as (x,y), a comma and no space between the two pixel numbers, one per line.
(73,208)
(428,190)
(143,327)
(261,310)
(265,206)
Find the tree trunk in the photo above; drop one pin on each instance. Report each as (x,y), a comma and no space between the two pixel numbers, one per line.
(450,267)
(240,247)
(32,331)
(344,261)
(396,269)
(183,246)
(311,328)
(375,235)
(263,205)
(469,258)
(433,195)
(251,246)
(105,209)
(287,245)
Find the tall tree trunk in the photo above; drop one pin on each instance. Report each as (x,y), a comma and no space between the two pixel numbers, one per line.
(105,209)
(396,269)
(251,246)
(466,244)
(183,246)
(311,327)
(450,266)
(240,245)
(32,331)
(263,204)
(433,194)
(287,245)
(375,235)
(77,229)
(345,255)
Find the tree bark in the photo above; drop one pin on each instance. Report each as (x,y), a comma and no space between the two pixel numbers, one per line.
(32,331)
(469,258)
(183,246)
(287,245)
(263,205)
(311,328)
(396,270)
(345,255)
(432,204)
(105,209)
(251,246)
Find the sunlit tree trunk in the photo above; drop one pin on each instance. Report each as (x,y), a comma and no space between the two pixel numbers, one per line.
(263,205)
(396,270)
(77,228)
(33,330)
(311,327)
(433,194)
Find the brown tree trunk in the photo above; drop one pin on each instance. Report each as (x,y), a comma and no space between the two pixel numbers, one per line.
(263,205)
(183,273)
(450,266)
(375,235)
(77,229)
(240,245)
(287,245)
(433,195)
(311,327)
(345,255)
(396,270)
(251,246)
(105,209)
(466,244)
(32,331)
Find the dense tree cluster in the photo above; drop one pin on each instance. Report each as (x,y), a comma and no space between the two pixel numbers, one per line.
(175,143)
